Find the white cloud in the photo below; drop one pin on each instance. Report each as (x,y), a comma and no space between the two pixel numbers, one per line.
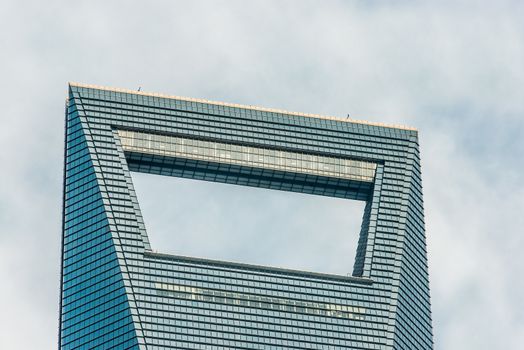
(452,69)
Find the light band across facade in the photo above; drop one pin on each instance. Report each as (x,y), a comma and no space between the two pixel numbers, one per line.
(265,158)
(261,302)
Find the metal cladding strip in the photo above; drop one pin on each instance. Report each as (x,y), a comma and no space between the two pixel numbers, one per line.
(257,157)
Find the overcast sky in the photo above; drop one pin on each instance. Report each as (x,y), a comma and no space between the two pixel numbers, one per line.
(454,70)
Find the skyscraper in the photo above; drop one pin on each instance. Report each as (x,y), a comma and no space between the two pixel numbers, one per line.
(117,293)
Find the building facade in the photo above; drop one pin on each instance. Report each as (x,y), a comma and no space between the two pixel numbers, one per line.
(117,293)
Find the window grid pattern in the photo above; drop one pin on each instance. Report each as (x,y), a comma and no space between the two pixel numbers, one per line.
(110,297)
(94,306)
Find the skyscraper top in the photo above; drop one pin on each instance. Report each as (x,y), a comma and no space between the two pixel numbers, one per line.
(236,105)
(117,293)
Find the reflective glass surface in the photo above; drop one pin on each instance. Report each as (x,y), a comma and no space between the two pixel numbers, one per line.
(117,293)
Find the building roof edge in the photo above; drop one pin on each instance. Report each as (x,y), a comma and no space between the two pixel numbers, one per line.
(235,105)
